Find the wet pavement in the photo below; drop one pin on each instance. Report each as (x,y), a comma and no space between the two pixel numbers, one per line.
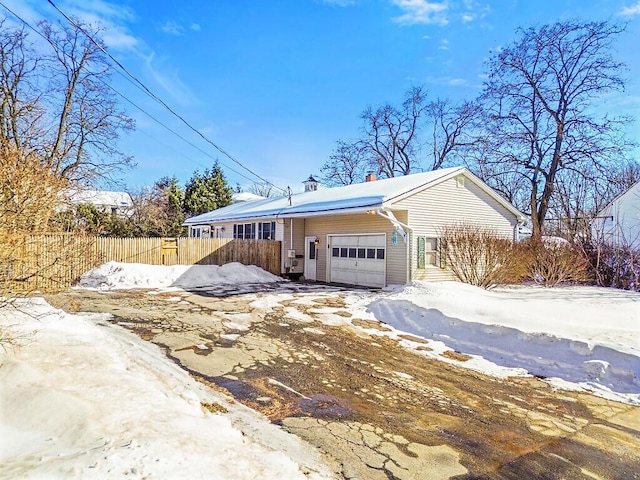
(373,408)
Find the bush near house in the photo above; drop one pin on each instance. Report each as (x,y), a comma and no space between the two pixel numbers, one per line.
(613,265)
(479,256)
(552,262)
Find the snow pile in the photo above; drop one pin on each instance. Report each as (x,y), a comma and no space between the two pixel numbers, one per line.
(114,275)
(589,337)
(85,399)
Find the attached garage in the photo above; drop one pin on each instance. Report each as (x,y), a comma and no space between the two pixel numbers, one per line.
(358,259)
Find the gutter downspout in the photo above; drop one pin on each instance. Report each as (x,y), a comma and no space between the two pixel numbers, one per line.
(400,228)
(397,224)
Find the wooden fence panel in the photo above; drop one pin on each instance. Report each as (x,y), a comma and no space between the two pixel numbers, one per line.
(54,262)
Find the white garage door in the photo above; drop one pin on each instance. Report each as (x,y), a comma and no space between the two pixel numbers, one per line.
(358,259)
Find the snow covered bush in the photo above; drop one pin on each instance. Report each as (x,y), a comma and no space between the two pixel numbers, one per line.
(479,256)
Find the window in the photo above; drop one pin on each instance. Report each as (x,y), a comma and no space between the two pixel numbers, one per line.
(380,253)
(267,231)
(361,252)
(200,232)
(428,251)
(244,231)
(335,252)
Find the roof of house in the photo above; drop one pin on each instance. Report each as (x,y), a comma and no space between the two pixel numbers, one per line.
(245,197)
(632,192)
(354,198)
(100,198)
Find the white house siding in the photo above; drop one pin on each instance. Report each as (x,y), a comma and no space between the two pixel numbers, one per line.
(448,203)
(619,223)
(396,255)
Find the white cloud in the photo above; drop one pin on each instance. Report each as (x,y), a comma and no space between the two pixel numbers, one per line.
(111,17)
(468,17)
(444,44)
(632,10)
(169,80)
(172,28)
(457,82)
(195,27)
(421,11)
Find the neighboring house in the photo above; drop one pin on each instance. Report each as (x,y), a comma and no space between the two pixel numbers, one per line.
(619,222)
(245,197)
(117,203)
(206,230)
(374,233)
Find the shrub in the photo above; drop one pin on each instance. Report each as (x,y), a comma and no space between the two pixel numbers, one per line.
(479,256)
(551,262)
(614,266)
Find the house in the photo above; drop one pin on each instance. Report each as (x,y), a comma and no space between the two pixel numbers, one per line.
(117,203)
(619,222)
(375,233)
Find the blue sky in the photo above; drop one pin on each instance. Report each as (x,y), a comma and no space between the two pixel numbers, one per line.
(277,83)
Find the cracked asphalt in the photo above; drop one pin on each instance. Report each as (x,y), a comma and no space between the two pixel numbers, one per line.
(374,409)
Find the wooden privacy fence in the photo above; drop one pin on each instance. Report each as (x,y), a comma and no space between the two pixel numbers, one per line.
(53,262)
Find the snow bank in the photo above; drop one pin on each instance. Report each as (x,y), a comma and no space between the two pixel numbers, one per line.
(85,399)
(583,335)
(114,275)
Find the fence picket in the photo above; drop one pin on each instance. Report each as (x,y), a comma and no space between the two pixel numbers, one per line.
(56,262)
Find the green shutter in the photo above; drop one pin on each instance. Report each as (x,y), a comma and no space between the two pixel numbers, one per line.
(421,252)
(442,252)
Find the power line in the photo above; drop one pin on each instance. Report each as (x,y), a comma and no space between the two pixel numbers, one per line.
(140,108)
(158,99)
(139,85)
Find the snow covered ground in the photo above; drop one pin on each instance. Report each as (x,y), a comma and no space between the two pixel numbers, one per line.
(82,395)
(82,398)
(577,337)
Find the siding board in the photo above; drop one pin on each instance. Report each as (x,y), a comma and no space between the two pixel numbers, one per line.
(448,203)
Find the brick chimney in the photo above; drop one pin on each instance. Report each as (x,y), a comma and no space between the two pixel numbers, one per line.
(371,177)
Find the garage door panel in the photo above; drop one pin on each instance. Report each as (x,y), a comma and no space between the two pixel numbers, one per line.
(358,259)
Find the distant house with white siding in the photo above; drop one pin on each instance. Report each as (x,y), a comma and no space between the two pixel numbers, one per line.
(619,222)
(375,233)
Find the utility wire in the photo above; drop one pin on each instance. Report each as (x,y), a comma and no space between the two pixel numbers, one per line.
(139,108)
(158,99)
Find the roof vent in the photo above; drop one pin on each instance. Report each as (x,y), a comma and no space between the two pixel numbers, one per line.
(310,184)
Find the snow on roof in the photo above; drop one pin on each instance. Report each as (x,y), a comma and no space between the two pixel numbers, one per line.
(350,198)
(100,197)
(245,197)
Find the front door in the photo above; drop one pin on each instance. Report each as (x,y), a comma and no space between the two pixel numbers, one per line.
(310,258)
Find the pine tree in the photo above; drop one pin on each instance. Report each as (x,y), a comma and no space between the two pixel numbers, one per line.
(207,192)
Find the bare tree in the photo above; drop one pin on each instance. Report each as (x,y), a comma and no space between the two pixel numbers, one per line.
(264,189)
(347,165)
(60,104)
(390,134)
(451,128)
(542,124)
(402,140)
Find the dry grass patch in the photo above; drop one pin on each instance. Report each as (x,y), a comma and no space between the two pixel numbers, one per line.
(453,355)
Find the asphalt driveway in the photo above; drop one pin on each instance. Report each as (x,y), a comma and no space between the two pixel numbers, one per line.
(373,408)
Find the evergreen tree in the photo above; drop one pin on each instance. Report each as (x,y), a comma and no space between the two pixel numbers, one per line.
(207,192)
